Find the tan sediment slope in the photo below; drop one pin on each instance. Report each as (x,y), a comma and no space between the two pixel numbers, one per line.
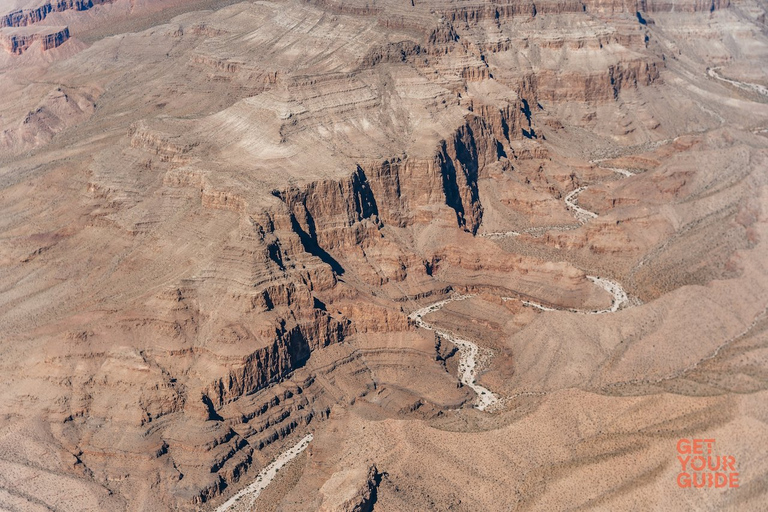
(572,450)
(215,224)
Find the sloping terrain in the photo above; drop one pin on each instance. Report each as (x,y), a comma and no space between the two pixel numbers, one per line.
(492,255)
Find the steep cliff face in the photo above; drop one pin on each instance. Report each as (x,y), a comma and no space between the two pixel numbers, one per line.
(476,12)
(602,86)
(394,190)
(168,150)
(226,247)
(332,216)
(18,41)
(290,350)
(24,17)
(261,329)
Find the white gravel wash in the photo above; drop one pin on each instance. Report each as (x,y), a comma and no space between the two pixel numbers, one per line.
(618,170)
(244,499)
(500,234)
(581,214)
(468,352)
(619,295)
(533,304)
(760,89)
(620,298)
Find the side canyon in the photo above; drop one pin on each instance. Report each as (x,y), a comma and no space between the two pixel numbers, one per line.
(440,255)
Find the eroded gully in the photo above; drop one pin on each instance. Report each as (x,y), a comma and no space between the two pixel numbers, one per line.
(468,350)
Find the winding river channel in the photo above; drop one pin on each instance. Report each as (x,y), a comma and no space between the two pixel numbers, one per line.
(469,354)
(468,350)
(244,499)
(756,88)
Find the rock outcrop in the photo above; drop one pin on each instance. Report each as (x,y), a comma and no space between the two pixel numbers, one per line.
(17,41)
(24,17)
(216,230)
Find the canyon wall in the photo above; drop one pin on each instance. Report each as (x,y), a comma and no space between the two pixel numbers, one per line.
(218,227)
(24,17)
(18,42)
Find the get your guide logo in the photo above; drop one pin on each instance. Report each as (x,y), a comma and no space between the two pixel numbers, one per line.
(701,467)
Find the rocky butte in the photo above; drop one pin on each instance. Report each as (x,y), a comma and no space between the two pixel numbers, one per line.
(352,255)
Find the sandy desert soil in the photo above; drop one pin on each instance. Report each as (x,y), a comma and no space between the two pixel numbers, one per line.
(441,255)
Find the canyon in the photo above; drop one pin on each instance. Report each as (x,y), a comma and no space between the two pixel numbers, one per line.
(346,255)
